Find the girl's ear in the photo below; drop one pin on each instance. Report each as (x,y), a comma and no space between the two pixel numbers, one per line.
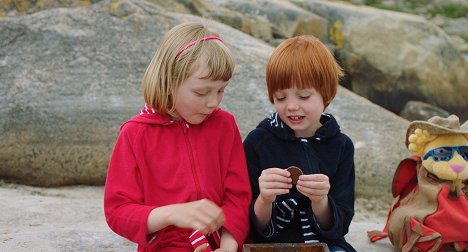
(170,104)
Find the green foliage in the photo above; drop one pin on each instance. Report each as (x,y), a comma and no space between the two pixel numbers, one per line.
(336,34)
(23,7)
(19,5)
(378,5)
(450,10)
(413,4)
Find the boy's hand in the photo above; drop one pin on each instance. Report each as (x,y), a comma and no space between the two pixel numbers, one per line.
(203,215)
(273,182)
(314,186)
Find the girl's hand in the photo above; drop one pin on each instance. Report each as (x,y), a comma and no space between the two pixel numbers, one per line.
(273,182)
(221,250)
(314,186)
(203,215)
(201,248)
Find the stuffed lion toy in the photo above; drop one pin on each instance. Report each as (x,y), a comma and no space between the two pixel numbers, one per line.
(430,211)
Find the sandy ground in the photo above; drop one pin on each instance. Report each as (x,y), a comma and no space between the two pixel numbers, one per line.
(72,219)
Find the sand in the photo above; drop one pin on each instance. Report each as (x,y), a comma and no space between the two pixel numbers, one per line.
(71,219)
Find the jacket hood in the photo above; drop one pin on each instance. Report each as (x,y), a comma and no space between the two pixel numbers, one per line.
(276,126)
(148,115)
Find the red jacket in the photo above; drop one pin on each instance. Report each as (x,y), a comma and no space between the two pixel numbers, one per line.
(158,162)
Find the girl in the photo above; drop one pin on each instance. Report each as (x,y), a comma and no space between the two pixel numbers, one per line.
(177,179)
(302,78)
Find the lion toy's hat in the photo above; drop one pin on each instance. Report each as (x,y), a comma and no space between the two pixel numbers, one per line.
(438,126)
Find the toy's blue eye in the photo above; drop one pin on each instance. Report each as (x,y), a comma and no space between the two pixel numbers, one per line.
(464,152)
(445,153)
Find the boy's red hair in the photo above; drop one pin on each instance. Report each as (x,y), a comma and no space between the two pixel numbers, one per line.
(303,62)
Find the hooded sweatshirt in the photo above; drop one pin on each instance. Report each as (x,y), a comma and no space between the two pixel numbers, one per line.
(158,162)
(330,152)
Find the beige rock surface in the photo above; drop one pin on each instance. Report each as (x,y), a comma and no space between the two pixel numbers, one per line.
(72,219)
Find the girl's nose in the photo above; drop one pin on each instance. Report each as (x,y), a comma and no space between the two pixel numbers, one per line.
(213,102)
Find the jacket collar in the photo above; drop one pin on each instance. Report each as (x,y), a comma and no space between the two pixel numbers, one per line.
(276,126)
(149,115)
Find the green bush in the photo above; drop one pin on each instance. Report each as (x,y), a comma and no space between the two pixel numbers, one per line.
(23,7)
(450,10)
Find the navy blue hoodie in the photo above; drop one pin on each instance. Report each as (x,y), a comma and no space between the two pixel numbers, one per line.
(330,152)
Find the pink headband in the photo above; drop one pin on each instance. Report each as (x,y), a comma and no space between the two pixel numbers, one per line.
(196,41)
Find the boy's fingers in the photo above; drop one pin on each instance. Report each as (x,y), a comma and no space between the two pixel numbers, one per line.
(274,178)
(277,171)
(276,185)
(314,177)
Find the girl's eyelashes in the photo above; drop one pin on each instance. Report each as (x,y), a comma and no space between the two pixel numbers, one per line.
(201,93)
(304,97)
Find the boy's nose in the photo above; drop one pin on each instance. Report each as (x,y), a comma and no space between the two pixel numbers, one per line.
(292,106)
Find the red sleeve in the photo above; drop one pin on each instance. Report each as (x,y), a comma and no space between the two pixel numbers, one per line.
(237,194)
(123,195)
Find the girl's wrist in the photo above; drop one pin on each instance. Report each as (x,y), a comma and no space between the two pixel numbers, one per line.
(165,213)
(228,242)
(230,249)
(230,246)
(158,219)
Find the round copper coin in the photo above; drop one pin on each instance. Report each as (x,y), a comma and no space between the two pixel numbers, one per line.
(295,173)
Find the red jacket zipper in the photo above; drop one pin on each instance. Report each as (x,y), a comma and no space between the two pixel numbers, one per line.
(192,162)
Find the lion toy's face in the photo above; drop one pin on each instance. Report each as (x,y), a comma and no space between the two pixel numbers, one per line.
(446,156)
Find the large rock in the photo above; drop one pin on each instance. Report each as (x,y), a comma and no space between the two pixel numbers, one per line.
(286,19)
(379,139)
(263,19)
(394,57)
(70,77)
(416,110)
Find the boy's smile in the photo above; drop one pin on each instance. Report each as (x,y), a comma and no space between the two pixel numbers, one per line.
(296,119)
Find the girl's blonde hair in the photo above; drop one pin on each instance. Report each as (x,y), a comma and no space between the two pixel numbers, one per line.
(303,62)
(170,67)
